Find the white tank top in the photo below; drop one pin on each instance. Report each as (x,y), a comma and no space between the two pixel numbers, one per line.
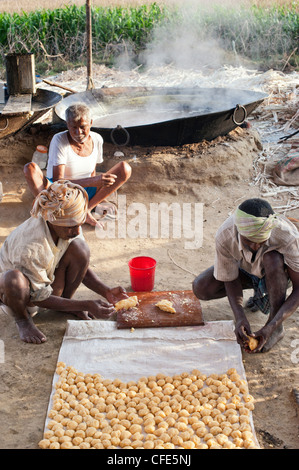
(61,153)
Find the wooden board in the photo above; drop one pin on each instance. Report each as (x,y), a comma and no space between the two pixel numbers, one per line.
(147,315)
(20,73)
(18,104)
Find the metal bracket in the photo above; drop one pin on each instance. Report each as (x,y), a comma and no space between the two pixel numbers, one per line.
(239,106)
(5,127)
(120,128)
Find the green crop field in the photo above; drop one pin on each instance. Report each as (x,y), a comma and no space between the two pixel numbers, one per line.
(264,33)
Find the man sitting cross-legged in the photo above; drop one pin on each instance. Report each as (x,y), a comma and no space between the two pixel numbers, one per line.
(74,155)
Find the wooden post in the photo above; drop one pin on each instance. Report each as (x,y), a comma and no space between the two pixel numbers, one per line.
(20,74)
(89,45)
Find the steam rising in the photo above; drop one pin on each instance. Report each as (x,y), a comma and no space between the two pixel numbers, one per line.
(183,43)
(182,46)
(183,40)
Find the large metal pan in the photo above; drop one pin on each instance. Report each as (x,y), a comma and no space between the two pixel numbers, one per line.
(153,116)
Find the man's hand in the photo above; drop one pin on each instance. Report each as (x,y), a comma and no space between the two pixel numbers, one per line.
(99,309)
(242,331)
(115,294)
(262,336)
(234,292)
(106,179)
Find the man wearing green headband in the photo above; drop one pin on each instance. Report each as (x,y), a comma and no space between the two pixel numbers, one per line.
(255,249)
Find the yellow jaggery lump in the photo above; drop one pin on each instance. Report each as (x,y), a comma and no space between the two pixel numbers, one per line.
(54,445)
(166,306)
(153,412)
(44,444)
(252,343)
(125,304)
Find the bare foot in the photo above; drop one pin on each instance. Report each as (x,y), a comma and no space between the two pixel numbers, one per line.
(90,220)
(106,210)
(276,336)
(29,333)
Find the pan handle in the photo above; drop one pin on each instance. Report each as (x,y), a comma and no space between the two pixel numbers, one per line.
(239,106)
(6,126)
(120,128)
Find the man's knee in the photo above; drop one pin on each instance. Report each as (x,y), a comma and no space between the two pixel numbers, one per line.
(200,288)
(125,170)
(78,252)
(273,262)
(15,284)
(29,169)
(197,288)
(207,287)
(199,291)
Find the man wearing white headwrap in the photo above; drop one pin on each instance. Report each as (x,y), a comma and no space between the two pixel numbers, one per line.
(258,249)
(45,259)
(64,204)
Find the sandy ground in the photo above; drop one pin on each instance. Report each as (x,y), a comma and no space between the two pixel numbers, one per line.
(219,175)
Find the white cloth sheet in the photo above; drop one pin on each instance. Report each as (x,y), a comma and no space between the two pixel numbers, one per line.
(99,347)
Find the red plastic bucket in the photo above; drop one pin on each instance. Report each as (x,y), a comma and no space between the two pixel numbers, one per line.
(142,273)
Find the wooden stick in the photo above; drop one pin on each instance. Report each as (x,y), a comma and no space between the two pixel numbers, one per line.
(58,85)
(287,61)
(89,45)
